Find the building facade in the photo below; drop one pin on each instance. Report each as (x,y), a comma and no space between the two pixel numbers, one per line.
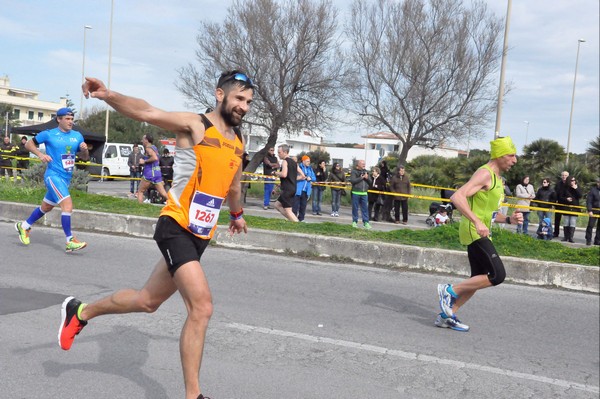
(372,149)
(27,108)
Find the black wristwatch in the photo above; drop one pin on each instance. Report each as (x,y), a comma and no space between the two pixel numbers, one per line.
(508,220)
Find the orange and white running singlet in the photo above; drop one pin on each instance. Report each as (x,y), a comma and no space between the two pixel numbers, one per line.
(202,176)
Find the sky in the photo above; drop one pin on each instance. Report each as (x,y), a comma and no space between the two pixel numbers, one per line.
(41,49)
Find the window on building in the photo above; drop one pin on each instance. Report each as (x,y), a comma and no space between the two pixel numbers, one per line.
(40,116)
(396,148)
(30,115)
(17,113)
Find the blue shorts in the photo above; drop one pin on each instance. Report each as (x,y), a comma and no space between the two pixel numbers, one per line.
(58,189)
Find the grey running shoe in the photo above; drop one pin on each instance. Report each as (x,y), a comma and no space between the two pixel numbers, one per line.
(446,300)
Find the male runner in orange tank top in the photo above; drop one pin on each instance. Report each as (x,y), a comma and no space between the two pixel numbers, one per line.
(206,173)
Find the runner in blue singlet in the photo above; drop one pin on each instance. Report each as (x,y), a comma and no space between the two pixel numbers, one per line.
(62,143)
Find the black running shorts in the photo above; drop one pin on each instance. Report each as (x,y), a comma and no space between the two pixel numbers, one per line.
(177,245)
(287,198)
(484,259)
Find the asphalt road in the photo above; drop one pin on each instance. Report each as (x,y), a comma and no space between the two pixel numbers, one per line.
(284,328)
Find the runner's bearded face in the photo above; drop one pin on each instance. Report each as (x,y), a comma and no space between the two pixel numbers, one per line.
(236,104)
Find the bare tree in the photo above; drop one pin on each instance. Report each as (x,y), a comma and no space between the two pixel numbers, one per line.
(288,48)
(424,68)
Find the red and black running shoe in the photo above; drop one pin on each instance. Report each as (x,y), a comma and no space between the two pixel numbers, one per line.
(70,325)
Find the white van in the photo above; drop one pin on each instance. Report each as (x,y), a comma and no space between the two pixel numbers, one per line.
(114,159)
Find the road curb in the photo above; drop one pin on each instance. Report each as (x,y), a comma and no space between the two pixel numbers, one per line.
(522,271)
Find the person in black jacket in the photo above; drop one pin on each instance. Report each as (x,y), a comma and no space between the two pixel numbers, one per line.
(593,208)
(375,199)
(558,189)
(319,188)
(7,151)
(546,194)
(22,154)
(570,195)
(166,162)
(337,178)
(270,165)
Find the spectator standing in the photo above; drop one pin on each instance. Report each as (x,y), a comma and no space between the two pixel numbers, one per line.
(135,169)
(7,151)
(270,165)
(375,199)
(572,195)
(385,171)
(245,162)
(321,178)
(288,176)
(561,185)
(593,201)
(360,179)
(400,183)
(338,179)
(306,176)
(388,200)
(166,168)
(525,193)
(546,194)
(22,154)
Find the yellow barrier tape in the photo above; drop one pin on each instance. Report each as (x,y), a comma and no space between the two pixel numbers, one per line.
(347,184)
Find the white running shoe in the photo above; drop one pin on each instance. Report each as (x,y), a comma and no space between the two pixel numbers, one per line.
(450,322)
(446,300)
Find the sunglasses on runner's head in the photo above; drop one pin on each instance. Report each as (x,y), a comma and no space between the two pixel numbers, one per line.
(240,77)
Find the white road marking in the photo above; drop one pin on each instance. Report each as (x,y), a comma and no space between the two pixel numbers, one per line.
(414,356)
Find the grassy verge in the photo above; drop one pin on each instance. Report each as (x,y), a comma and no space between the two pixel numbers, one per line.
(506,242)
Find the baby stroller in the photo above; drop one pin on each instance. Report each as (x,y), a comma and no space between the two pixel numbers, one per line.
(434,209)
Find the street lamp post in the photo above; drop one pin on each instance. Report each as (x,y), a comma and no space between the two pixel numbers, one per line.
(85,28)
(579,41)
(112,8)
(526,131)
(502,68)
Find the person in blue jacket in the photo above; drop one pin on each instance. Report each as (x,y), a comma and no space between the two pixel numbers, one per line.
(306,175)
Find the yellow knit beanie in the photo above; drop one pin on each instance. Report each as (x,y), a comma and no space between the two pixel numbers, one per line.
(502,146)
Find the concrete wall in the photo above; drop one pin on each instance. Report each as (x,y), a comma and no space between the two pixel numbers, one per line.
(340,250)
